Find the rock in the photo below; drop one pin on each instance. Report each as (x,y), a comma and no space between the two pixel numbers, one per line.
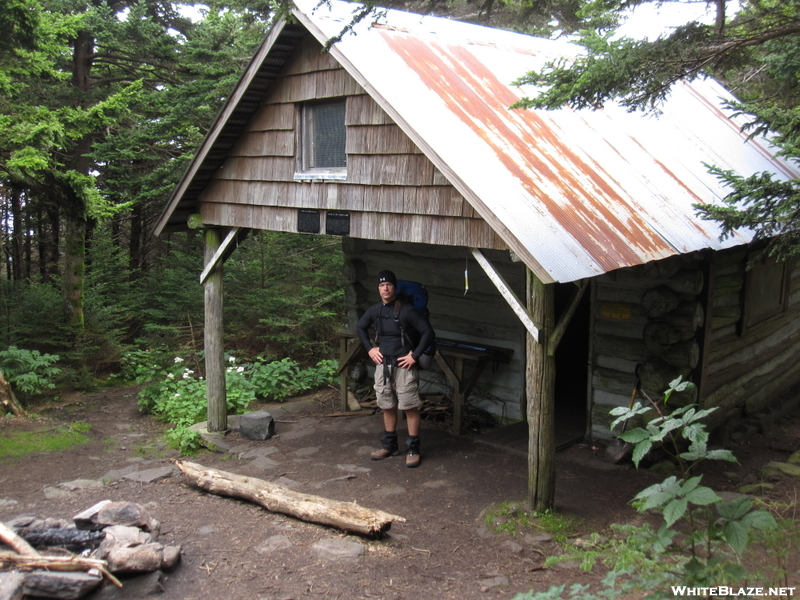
(129,514)
(151,475)
(257,425)
(123,535)
(135,559)
(273,543)
(139,586)
(778,470)
(513,547)
(63,585)
(538,538)
(12,585)
(338,550)
(80,484)
(493,582)
(171,556)
(758,489)
(53,493)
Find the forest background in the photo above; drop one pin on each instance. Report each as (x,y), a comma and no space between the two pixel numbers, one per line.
(103,103)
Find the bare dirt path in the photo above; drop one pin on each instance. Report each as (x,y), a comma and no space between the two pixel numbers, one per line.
(236,550)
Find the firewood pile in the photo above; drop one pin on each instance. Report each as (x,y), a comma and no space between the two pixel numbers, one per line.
(56,558)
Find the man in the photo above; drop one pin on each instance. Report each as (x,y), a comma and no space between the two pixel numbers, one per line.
(402,335)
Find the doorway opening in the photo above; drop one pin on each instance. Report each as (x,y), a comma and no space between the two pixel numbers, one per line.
(572,372)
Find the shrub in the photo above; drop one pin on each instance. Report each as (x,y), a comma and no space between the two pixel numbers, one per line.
(29,371)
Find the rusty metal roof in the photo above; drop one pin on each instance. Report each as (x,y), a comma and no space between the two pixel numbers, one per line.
(574,193)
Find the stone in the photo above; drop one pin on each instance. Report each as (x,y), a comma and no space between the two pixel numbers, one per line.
(512,546)
(257,425)
(152,475)
(122,535)
(135,559)
(53,493)
(538,538)
(63,585)
(757,489)
(138,586)
(80,484)
(777,470)
(12,585)
(273,543)
(170,557)
(338,550)
(492,582)
(107,513)
(349,468)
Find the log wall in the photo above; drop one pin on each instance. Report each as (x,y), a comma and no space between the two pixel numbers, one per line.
(649,315)
(391,191)
(481,316)
(747,369)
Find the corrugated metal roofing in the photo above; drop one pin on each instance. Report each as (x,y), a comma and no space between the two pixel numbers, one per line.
(574,193)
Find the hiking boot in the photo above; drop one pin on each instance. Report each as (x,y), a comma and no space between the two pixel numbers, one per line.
(388,446)
(413,457)
(382,453)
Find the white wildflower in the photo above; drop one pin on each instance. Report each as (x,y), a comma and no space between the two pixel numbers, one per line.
(171,375)
(178,359)
(240,369)
(232,359)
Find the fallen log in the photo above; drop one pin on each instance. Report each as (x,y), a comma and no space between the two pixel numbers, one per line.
(347,516)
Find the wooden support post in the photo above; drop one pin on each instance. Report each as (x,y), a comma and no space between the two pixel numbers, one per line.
(540,379)
(214,344)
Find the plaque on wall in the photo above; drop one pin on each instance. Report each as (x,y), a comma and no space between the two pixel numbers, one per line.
(337,222)
(308,220)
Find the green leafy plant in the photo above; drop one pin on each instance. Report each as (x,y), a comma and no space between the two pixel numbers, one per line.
(29,371)
(281,379)
(702,538)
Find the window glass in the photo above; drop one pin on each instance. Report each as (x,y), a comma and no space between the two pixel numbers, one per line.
(324,136)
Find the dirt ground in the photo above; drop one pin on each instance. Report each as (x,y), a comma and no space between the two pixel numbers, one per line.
(232,549)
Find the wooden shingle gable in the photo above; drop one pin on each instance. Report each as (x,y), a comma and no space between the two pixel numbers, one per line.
(392,191)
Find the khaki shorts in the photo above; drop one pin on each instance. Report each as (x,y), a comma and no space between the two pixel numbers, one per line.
(402,389)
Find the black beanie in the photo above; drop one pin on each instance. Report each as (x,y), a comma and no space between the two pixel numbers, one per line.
(387,277)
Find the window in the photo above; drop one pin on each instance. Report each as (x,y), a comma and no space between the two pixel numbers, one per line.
(766,287)
(322,146)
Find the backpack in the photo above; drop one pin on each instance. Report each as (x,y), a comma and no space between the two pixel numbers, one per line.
(415,294)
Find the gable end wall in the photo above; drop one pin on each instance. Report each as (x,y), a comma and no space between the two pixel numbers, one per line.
(392,191)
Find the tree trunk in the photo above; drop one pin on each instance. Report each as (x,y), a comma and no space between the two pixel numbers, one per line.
(347,516)
(540,390)
(74,271)
(17,235)
(214,344)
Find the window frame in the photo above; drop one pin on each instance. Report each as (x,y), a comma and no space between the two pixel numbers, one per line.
(305,125)
(755,310)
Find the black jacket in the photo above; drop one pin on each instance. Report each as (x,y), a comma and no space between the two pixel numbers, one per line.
(418,332)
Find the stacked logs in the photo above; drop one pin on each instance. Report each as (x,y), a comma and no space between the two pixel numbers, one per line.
(651,316)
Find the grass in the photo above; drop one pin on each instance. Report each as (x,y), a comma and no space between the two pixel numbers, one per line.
(514,519)
(21,443)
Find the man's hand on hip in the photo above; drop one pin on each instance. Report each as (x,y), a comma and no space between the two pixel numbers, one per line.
(406,362)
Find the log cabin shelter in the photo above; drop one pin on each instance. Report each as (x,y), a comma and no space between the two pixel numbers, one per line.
(565,238)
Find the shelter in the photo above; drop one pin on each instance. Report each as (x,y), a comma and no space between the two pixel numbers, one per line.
(401,141)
